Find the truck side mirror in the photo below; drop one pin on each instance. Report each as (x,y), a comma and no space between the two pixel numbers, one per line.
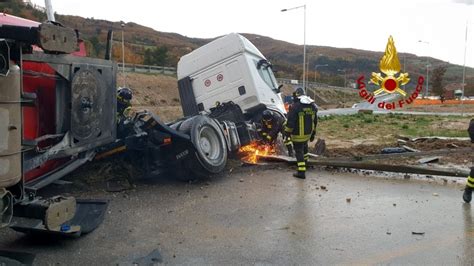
(279,88)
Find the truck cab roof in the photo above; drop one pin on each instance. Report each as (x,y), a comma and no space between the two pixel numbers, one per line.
(214,52)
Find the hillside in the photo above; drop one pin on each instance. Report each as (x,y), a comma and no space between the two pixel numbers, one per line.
(286,57)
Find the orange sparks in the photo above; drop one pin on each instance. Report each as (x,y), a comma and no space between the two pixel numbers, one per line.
(252,151)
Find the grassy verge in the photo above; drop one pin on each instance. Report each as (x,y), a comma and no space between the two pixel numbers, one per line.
(385,128)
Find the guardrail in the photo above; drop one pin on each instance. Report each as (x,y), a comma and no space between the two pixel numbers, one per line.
(313,85)
(147,69)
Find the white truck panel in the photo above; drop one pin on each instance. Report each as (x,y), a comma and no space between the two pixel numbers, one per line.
(226,70)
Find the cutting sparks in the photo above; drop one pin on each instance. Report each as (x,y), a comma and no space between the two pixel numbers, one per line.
(252,151)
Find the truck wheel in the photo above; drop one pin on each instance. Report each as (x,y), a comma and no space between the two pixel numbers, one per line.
(211,149)
(185,126)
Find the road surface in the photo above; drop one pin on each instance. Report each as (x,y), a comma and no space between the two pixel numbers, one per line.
(256,215)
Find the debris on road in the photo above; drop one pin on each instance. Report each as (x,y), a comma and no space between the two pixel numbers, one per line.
(452,146)
(391,150)
(428,160)
(118,184)
(410,149)
(276,229)
(348,200)
(396,168)
(320,147)
(439,138)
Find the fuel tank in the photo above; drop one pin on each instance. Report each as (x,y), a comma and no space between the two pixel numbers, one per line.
(10,124)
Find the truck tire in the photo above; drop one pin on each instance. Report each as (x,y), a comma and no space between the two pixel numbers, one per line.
(210,145)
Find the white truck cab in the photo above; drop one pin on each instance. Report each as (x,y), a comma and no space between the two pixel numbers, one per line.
(229,68)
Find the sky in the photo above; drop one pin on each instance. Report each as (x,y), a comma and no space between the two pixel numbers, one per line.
(440,25)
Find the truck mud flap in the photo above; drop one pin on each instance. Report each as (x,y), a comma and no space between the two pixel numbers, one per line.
(89,215)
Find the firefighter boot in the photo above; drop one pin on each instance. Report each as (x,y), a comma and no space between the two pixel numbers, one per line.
(467,196)
(300,175)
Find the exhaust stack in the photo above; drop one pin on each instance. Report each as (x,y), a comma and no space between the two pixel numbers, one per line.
(49,10)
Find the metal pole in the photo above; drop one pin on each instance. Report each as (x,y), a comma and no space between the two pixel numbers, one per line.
(464,70)
(427,70)
(304,50)
(404,65)
(304,41)
(123,56)
(49,10)
(345,80)
(316,70)
(427,77)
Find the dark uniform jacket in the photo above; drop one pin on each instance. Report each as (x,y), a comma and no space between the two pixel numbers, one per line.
(302,121)
(271,128)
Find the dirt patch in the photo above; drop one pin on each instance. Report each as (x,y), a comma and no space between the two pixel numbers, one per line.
(422,145)
(448,125)
(444,108)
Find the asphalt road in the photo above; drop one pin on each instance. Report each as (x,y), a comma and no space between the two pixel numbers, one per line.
(264,216)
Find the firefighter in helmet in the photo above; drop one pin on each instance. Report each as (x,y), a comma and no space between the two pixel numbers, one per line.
(272,125)
(467,196)
(124,105)
(301,127)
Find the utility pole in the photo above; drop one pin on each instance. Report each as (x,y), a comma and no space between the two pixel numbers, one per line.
(316,70)
(343,93)
(427,70)
(123,54)
(304,41)
(464,70)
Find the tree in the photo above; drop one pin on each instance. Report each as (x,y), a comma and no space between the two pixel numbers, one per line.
(437,80)
(96,45)
(157,56)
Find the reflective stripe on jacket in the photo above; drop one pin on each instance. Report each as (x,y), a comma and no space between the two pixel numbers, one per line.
(302,121)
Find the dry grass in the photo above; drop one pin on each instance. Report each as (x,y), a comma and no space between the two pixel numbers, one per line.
(367,129)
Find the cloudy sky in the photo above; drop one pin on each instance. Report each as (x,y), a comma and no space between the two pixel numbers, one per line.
(362,24)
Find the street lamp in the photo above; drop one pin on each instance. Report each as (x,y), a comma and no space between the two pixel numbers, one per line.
(316,70)
(427,69)
(343,94)
(344,71)
(123,54)
(304,41)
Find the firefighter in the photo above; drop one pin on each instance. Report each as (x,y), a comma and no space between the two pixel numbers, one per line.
(124,105)
(301,127)
(273,124)
(467,196)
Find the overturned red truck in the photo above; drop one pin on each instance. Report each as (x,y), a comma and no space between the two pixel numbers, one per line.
(58,111)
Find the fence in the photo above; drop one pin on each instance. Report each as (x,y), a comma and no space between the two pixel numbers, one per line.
(147,69)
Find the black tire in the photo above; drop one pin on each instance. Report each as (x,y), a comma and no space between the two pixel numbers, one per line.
(210,145)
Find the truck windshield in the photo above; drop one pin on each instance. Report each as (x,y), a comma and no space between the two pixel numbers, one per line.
(265,71)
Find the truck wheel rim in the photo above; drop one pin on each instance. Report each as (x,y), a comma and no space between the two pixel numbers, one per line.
(209,143)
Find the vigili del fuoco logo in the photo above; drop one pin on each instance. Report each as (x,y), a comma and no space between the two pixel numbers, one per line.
(389,82)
